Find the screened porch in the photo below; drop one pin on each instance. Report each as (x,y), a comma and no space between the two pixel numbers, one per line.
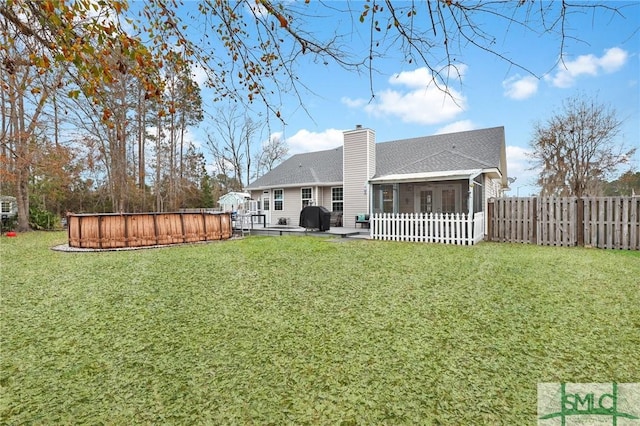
(444,211)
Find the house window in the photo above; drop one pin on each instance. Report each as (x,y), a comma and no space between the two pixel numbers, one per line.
(278,199)
(6,207)
(337,199)
(306,197)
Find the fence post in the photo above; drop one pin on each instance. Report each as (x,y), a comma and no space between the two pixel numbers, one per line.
(490,208)
(580,222)
(534,221)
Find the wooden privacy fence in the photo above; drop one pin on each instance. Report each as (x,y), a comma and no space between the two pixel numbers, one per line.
(603,222)
(447,228)
(109,231)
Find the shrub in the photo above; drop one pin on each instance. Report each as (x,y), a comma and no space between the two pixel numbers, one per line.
(40,219)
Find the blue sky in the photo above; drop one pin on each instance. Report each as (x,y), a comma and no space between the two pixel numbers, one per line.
(600,61)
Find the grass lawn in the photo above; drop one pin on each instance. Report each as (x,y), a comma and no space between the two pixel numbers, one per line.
(305,330)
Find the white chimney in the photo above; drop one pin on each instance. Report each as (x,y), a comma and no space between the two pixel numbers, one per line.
(359,165)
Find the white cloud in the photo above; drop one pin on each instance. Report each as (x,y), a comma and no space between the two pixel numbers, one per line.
(612,60)
(418,100)
(518,165)
(199,74)
(458,126)
(422,77)
(353,103)
(306,141)
(258,10)
(519,88)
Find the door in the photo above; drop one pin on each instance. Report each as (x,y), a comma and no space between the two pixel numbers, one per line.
(426,201)
(439,198)
(266,207)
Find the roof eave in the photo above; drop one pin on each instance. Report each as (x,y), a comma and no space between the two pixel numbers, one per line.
(428,176)
(293,185)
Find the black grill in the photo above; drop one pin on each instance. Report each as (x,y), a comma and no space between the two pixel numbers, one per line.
(315,217)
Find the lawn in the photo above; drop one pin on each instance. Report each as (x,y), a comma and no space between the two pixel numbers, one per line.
(306,330)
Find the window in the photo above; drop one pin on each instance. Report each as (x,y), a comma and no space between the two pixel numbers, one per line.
(337,199)
(306,197)
(383,201)
(5,207)
(478,196)
(278,199)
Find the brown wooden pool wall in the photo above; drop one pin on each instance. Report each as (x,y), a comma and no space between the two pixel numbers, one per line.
(120,230)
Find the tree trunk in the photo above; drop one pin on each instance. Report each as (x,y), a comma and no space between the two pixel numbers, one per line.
(22,199)
(158,165)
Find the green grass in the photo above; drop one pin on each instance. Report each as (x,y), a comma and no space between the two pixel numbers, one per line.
(305,330)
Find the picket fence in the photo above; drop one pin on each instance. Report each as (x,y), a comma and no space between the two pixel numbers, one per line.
(603,222)
(446,228)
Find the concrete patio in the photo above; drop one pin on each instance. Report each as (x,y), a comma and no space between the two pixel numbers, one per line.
(279,230)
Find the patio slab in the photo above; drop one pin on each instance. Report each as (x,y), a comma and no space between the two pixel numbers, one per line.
(296,230)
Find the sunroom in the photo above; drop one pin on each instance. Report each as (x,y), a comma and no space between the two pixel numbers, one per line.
(443,206)
(458,191)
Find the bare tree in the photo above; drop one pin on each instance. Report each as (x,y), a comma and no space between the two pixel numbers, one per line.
(576,149)
(272,153)
(232,143)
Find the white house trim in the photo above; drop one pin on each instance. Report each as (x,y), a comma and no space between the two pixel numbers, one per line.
(426,176)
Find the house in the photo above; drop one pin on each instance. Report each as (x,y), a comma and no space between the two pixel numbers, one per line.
(8,207)
(448,173)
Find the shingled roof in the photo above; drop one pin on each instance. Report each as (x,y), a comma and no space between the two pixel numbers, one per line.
(474,149)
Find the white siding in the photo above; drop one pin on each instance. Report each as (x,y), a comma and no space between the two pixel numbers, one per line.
(292,205)
(491,189)
(359,165)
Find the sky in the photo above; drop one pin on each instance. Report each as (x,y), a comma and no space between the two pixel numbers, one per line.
(600,62)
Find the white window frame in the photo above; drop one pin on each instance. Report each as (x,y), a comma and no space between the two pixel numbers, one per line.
(334,201)
(306,201)
(276,199)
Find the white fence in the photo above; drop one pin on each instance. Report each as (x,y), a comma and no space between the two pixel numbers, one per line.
(447,228)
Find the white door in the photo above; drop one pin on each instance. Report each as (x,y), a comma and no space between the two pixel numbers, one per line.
(266,208)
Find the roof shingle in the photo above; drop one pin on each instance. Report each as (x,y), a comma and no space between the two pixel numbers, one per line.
(473,149)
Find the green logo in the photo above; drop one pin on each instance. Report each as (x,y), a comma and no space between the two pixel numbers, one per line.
(566,404)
